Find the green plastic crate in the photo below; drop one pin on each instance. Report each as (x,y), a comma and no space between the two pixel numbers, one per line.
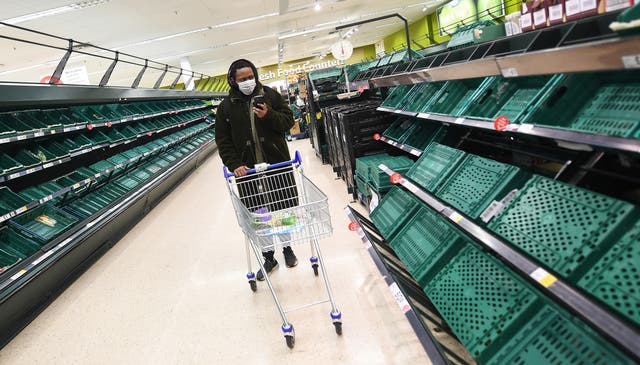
(52,150)
(87,114)
(424,98)
(509,97)
(26,158)
(398,128)
(97,137)
(140,174)
(434,165)
(112,192)
(8,165)
(117,160)
(6,129)
(615,278)
(563,226)
(426,243)
(77,143)
(38,192)
(479,298)
(152,168)
(477,182)
(397,96)
(10,201)
(362,186)
(14,247)
(18,125)
(396,207)
(600,103)
(43,223)
(379,178)
(553,337)
(114,136)
(422,134)
(454,96)
(128,182)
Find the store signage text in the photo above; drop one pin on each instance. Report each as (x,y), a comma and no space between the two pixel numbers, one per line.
(303,68)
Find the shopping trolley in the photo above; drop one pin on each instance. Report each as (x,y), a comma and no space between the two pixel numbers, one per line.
(277,205)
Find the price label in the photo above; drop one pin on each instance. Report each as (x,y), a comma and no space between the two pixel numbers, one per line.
(510,72)
(572,7)
(587,5)
(67,129)
(18,274)
(631,61)
(424,115)
(415,152)
(525,21)
(459,121)
(525,128)
(38,134)
(32,170)
(15,176)
(22,138)
(540,17)
(398,111)
(47,165)
(455,217)
(400,298)
(543,277)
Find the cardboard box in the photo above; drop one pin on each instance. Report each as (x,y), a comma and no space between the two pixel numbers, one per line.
(295,129)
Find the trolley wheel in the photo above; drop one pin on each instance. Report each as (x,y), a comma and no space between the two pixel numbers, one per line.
(253,285)
(315,269)
(291,341)
(338,326)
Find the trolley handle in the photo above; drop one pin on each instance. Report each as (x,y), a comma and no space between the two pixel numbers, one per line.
(296,160)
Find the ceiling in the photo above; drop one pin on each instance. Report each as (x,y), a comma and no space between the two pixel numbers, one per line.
(210,34)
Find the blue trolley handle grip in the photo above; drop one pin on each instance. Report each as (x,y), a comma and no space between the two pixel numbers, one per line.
(296,160)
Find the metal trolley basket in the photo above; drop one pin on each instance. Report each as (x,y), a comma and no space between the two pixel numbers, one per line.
(277,205)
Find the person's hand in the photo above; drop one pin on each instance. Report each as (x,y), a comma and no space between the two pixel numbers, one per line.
(261,110)
(241,171)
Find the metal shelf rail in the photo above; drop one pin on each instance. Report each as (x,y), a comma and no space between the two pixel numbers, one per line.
(429,344)
(582,138)
(533,53)
(620,333)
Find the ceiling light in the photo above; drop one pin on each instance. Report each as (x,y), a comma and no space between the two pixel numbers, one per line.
(317,6)
(424,8)
(55,11)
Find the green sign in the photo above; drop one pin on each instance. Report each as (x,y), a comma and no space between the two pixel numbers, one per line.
(458,13)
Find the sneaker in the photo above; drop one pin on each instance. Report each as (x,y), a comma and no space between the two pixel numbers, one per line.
(290,258)
(269,266)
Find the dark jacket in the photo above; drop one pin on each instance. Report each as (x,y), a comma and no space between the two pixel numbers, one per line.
(233,129)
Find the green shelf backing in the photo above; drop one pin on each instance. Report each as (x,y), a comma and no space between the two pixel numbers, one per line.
(43,223)
(435,164)
(426,243)
(562,226)
(479,298)
(395,208)
(615,278)
(477,182)
(552,337)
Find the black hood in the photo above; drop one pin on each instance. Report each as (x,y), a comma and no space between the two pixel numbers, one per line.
(236,65)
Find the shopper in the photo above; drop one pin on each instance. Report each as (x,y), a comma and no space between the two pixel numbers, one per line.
(248,134)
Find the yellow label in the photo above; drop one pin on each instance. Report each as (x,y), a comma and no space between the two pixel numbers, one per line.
(455,217)
(318,115)
(53,132)
(547,280)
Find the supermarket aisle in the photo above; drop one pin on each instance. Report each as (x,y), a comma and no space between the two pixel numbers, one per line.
(173,292)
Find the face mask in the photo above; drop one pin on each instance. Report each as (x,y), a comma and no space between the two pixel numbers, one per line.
(247,87)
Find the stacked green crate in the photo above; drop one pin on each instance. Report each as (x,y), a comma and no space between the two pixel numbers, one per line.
(426,243)
(397,96)
(394,209)
(615,277)
(477,182)
(552,336)
(423,100)
(434,165)
(454,96)
(602,103)
(564,227)
(509,97)
(480,298)
(379,179)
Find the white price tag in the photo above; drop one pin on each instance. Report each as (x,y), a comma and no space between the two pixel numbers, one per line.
(398,111)
(424,115)
(15,176)
(555,12)
(510,72)
(525,128)
(67,129)
(459,121)
(632,61)
(43,257)
(572,7)
(19,274)
(415,152)
(32,170)
(21,138)
(39,134)
(540,17)
(400,298)
(375,200)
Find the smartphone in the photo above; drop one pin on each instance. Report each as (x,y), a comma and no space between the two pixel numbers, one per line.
(258,99)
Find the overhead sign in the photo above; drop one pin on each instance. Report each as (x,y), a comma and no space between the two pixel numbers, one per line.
(302,68)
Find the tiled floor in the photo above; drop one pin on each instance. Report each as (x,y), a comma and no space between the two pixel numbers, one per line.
(173,291)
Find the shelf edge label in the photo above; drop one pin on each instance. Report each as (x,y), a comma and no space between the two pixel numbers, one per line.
(402,301)
(631,61)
